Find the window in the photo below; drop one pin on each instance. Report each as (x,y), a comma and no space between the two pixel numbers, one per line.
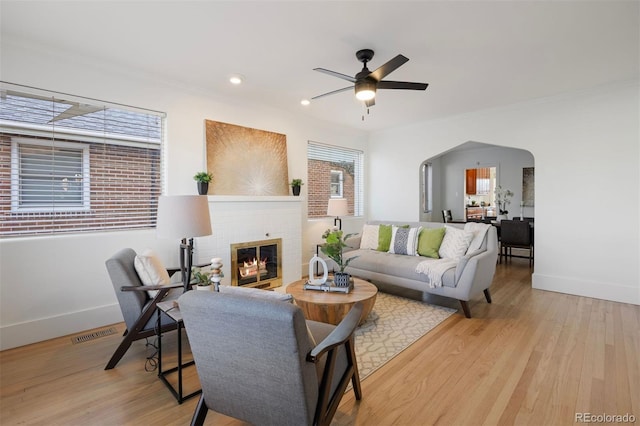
(69,164)
(336,184)
(45,177)
(334,172)
(427,187)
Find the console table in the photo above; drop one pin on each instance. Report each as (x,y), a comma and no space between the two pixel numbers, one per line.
(170,309)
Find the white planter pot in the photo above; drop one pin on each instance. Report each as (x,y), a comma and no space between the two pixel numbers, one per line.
(204,287)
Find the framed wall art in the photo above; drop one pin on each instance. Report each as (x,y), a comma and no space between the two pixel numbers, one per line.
(528,186)
(246,161)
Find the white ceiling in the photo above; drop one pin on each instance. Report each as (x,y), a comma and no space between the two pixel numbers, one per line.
(474,55)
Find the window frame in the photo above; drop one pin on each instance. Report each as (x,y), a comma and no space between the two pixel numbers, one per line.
(16,143)
(340,192)
(427,187)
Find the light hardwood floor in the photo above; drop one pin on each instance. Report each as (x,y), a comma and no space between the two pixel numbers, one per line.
(530,357)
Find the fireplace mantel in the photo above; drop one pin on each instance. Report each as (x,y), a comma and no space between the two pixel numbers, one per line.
(253,198)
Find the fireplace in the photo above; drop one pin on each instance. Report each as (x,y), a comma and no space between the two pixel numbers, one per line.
(257,264)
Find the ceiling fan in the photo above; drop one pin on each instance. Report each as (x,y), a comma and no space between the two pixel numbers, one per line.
(366,83)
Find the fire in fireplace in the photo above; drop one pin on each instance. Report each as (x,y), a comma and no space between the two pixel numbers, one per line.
(257,264)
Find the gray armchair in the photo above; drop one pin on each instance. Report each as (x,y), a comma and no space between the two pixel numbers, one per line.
(137,307)
(258,360)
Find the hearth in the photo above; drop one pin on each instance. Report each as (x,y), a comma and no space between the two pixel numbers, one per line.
(257,264)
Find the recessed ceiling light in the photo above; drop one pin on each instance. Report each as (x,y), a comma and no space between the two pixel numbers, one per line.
(305,102)
(236,79)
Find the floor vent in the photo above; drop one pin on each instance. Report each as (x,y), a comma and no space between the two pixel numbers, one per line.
(94,335)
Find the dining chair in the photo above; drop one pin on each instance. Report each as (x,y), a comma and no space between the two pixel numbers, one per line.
(515,234)
(446,216)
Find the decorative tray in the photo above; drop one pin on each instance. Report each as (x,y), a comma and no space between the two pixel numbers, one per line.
(329,286)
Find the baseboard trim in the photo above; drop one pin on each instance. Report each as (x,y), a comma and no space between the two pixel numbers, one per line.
(14,335)
(594,289)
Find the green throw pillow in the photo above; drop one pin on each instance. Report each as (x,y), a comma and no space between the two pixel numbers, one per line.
(429,242)
(384,237)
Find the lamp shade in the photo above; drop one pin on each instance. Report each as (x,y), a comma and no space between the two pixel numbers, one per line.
(183,216)
(337,207)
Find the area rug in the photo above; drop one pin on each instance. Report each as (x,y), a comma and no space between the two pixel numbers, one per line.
(391,327)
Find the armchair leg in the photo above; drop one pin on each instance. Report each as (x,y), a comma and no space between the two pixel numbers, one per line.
(201,412)
(355,379)
(120,351)
(465,308)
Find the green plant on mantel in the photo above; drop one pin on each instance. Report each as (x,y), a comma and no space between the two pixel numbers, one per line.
(204,177)
(297,182)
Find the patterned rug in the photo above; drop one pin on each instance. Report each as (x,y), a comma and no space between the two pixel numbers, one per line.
(391,327)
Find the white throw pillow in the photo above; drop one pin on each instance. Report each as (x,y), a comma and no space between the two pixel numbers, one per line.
(455,243)
(404,240)
(369,238)
(151,270)
(479,230)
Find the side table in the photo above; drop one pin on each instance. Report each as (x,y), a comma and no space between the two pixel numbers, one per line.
(173,312)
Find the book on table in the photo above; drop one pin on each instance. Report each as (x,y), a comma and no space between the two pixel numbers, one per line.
(329,286)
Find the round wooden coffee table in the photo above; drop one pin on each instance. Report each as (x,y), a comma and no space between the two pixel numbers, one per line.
(333,307)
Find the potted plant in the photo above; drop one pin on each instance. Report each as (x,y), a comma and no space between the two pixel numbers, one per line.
(502,201)
(295,186)
(203,179)
(202,279)
(334,249)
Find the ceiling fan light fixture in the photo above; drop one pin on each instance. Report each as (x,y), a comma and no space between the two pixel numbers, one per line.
(365,91)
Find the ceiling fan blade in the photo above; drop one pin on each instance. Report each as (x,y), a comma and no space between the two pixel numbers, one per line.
(334,92)
(370,102)
(386,69)
(405,85)
(336,74)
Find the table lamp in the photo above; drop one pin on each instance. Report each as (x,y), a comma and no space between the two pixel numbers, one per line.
(337,207)
(184,217)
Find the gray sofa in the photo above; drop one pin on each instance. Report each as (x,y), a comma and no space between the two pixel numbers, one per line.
(471,276)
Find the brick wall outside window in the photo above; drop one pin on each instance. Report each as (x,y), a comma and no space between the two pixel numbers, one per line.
(319,186)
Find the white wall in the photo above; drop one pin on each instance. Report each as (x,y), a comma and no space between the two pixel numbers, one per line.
(587,181)
(73,289)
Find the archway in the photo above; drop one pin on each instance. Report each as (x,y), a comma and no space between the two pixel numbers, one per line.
(442,179)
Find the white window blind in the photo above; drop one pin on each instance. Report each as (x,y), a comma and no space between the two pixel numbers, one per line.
(324,164)
(71,164)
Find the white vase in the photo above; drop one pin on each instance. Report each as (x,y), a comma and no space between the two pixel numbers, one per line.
(502,217)
(312,279)
(204,287)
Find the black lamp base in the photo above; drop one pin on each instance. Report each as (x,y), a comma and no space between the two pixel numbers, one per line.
(186,262)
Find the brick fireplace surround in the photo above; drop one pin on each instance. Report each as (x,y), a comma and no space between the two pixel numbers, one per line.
(242,218)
